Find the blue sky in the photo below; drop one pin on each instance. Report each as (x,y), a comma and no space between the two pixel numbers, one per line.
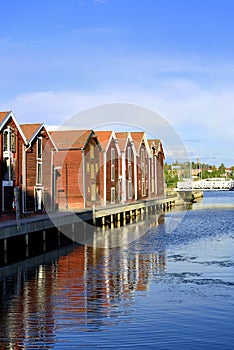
(175,57)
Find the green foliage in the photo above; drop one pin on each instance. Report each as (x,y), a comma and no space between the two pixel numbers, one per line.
(176,171)
(171,179)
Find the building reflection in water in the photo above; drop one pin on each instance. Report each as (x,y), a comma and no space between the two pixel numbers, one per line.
(82,290)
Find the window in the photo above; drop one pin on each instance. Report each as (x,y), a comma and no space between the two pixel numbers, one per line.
(38,199)
(112,164)
(129,171)
(39,173)
(143,189)
(152,175)
(129,189)
(5,140)
(92,171)
(112,195)
(39,148)
(91,151)
(129,154)
(142,156)
(13,142)
(93,192)
(87,167)
(129,163)
(143,171)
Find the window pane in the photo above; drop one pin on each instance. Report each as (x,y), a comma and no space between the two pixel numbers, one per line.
(112,195)
(91,148)
(39,173)
(39,148)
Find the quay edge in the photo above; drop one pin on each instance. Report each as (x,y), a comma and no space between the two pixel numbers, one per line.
(34,224)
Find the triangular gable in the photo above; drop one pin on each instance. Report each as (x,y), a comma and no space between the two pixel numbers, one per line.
(138,137)
(4,119)
(31,131)
(105,137)
(157,145)
(123,138)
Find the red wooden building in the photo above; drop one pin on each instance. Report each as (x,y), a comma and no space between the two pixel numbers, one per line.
(76,169)
(37,169)
(12,141)
(109,171)
(128,173)
(143,164)
(157,168)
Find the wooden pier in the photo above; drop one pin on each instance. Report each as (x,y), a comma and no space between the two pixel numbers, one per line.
(67,221)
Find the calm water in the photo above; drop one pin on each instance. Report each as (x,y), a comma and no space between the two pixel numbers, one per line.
(169,289)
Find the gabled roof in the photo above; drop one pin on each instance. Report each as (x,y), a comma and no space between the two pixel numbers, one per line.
(31,130)
(123,138)
(5,117)
(72,139)
(157,145)
(139,137)
(105,137)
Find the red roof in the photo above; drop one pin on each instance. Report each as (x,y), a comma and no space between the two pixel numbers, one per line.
(30,130)
(122,139)
(71,139)
(3,115)
(103,138)
(137,137)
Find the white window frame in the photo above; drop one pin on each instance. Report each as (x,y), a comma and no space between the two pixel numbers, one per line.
(39,173)
(112,164)
(129,189)
(91,151)
(39,148)
(112,195)
(129,154)
(143,188)
(93,192)
(92,171)
(41,190)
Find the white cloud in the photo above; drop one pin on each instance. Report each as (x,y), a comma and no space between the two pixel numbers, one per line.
(204,115)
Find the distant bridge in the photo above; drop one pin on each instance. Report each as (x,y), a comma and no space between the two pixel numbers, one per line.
(206,184)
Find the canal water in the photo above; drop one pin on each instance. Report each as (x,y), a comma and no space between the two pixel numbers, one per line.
(168,289)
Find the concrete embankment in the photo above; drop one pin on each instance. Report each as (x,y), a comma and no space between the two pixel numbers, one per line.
(186,196)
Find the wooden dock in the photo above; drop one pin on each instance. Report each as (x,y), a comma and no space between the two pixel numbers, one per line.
(65,221)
